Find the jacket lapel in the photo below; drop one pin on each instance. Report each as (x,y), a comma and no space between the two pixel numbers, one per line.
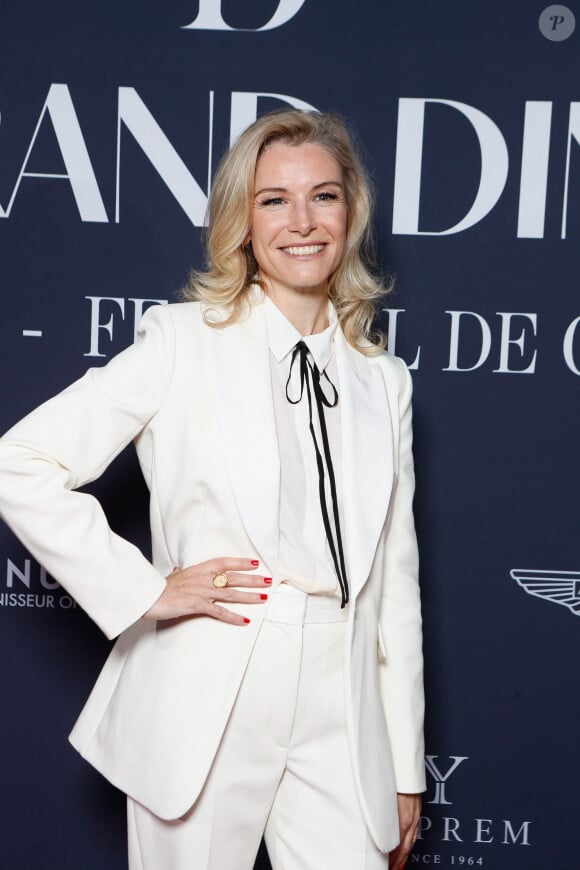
(239,364)
(367,457)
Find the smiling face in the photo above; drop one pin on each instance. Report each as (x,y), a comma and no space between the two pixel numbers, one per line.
(299,218)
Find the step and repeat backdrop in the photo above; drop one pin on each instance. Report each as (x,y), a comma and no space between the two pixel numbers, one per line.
(112,119)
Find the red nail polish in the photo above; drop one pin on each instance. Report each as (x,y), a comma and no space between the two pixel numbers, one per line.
(175,568)
(267,581)
(264,597)
(246,620)
(255,562)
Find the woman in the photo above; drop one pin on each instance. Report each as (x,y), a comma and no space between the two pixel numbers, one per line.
(267,675)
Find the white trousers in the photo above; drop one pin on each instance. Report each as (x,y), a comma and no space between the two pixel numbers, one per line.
(283,769)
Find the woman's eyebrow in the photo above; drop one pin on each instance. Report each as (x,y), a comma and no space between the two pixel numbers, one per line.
(326,184)
(285,190)
(271,190)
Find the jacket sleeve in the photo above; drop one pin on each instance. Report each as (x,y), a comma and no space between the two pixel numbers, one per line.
(68,442)
(401,668)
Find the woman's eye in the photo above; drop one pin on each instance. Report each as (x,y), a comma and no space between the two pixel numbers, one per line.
(326,196)
(272,200)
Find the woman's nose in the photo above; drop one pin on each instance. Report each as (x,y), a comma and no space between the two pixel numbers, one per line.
(302,217)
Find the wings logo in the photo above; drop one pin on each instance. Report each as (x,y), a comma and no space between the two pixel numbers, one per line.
(560,587)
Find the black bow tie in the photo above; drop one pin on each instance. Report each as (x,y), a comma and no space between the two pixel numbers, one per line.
(310,378)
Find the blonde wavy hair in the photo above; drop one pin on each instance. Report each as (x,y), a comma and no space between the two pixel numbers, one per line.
(231,268)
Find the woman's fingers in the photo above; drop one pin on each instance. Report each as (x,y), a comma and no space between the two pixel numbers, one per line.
(252,580)
(229,563)
(235,596)
(225,615)
(191,591)
(236,571)
(409,807)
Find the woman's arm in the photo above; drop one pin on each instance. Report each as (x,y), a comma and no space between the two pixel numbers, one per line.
(69,441)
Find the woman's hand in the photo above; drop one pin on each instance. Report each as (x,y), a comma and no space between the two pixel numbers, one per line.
(190,591)
(409,806)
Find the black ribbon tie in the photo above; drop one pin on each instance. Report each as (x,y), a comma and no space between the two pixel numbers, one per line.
(310,378)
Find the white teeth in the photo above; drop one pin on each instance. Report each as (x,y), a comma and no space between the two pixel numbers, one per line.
(304,250)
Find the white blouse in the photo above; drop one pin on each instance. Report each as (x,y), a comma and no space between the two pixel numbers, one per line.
(305,560)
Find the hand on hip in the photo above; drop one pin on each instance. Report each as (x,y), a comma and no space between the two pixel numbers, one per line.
(197,590)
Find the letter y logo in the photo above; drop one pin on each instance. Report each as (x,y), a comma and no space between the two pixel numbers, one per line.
(441,778)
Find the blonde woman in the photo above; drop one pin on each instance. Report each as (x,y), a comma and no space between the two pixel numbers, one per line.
(267,676)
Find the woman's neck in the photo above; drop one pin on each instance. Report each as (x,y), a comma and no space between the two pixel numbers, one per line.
(306,310)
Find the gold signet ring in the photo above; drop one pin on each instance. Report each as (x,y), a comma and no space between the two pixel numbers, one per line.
(220,581)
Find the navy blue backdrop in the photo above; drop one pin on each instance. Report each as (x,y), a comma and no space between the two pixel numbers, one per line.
(112,116)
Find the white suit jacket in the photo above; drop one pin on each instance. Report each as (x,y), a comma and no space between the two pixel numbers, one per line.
(198,403)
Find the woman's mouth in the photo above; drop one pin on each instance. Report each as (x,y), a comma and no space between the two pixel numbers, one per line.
(303,250)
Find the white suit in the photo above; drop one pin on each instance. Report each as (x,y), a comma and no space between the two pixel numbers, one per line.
(198,403)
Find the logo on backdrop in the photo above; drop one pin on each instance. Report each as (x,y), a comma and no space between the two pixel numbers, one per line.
(439,826)
(209,16)
(134,118)
(26,584)
(557,23)
(509,347)
(495,163)
(440,778)
(559,587)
